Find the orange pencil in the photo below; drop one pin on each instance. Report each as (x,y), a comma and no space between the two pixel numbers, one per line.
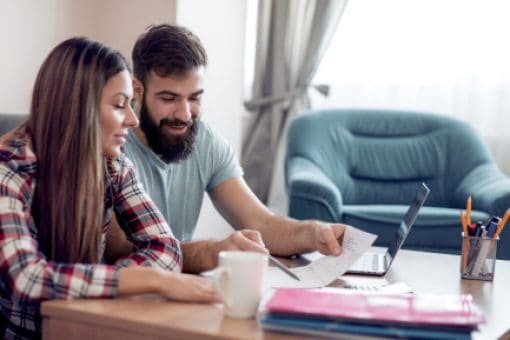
(468,211)
(464,224)
(502,223)
(465,241)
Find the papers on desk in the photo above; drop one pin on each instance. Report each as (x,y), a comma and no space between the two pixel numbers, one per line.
(327,269)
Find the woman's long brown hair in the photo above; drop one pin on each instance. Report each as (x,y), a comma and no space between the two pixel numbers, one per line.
(68,203)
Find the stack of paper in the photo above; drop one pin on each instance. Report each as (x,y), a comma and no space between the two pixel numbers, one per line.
(367,315)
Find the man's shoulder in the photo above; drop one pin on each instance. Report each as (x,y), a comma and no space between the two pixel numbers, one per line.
(209,139)
(206,133)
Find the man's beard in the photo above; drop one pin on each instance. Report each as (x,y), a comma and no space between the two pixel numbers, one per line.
(169,147)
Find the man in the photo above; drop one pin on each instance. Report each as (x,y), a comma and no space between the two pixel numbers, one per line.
(179,157)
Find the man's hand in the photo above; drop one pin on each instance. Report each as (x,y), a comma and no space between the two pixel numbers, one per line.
(328,237)
(200,256)
(247,240)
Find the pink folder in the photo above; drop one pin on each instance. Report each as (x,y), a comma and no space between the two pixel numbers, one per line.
(402,309)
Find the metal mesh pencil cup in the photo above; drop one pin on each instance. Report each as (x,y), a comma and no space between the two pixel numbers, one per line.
(478,258)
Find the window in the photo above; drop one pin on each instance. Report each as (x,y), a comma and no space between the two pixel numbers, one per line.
(449,57)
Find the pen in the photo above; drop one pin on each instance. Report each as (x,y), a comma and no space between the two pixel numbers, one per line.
(475,249)
(472,228)
(481,254)
(283,267)
(492,226)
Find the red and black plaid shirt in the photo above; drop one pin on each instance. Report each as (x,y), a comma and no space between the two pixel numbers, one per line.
(28,278)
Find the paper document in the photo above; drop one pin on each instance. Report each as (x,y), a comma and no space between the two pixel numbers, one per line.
(326,269)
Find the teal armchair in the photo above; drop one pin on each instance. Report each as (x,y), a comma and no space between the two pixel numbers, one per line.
(362,167)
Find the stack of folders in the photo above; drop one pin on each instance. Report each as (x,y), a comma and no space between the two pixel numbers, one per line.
(362,315)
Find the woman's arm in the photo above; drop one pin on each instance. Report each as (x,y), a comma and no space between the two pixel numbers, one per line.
(28,277)
(141,221)
(175,286)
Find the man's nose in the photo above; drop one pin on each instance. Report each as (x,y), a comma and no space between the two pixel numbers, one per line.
(183,111)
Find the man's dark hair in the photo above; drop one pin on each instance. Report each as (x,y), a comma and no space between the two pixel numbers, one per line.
(167,50)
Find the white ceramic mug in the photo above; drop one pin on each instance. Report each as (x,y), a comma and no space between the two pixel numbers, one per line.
(239,280)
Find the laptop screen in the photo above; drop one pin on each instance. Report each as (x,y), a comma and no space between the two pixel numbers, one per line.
(409,219)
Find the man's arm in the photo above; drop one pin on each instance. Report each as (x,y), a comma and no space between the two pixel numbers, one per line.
(203,255)
(257,227)
(198,256)
(282,235)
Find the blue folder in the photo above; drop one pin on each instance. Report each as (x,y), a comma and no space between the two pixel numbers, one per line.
(339,329)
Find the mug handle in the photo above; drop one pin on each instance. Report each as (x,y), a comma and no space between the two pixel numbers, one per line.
(219,279)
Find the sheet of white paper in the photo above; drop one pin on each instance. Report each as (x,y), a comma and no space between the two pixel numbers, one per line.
(326,269)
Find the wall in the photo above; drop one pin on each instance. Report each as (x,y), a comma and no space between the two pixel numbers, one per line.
(220,26)
(29,29)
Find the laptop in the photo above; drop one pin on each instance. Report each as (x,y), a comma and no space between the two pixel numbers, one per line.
(372,263)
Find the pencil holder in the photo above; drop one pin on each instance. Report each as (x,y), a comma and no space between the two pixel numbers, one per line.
(478,258)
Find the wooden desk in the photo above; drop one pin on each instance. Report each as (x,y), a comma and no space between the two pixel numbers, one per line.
(153,318)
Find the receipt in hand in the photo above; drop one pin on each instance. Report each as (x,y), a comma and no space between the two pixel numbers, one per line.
(326,269)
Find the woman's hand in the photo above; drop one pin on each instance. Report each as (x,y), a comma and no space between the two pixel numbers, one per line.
(174,286)
(187,287)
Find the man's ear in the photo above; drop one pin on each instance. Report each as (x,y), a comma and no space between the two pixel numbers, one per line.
(137,91)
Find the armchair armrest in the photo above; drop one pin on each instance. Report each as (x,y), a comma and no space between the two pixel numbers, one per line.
(488,187)
(307,183)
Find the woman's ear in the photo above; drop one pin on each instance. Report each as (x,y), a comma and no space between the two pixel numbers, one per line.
(137,93)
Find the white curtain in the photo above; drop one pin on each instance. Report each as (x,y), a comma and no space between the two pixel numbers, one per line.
(292,37)
(448,57)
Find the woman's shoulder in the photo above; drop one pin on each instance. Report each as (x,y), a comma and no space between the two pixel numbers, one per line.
(118,169)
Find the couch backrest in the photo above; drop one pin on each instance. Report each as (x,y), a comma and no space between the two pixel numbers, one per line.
(9,121)
(380,157)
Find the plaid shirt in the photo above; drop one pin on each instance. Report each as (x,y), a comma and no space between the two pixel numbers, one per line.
(28,278)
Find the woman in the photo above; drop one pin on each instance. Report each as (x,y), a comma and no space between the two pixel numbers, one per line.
(62,176)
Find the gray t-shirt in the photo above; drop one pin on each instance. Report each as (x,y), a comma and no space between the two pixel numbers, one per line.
(178,188)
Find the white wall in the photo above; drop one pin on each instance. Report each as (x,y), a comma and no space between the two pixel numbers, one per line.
(29,29)
(220,25)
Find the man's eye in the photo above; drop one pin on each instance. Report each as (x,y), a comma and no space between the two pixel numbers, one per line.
(119,106)
(168,99)
(195,99)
